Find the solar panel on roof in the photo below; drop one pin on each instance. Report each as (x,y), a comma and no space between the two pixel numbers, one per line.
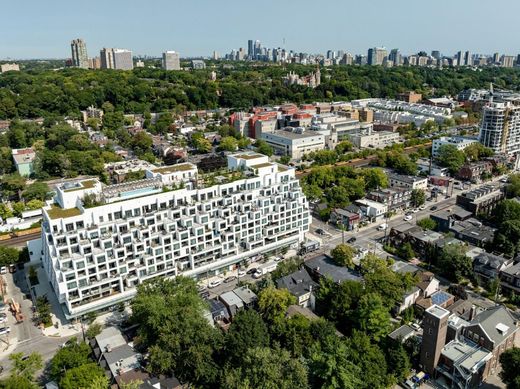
(440,298)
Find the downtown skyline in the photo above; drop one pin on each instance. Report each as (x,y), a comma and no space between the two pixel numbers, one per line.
(341,26)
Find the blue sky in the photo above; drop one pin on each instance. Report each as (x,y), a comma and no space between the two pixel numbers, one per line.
(44,28)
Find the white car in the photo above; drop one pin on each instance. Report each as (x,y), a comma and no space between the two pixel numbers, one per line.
(241,273)
(257,274)
(382,227)
(3,270)
(422,207)
(214,283)
(5,330)
(407,218)
(415,210)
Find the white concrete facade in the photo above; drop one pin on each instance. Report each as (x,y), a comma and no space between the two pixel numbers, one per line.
(95,257)
(295,143)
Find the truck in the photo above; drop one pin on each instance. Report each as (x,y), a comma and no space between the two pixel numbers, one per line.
(263,270)
(17,312)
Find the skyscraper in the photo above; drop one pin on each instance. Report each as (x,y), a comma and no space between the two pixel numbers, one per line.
(79,54)
(436,54)
(395,57)
(377,55)
(250,48)
(500,127)
(107,58)
(171,60)
(123,59)
(257,49)
(467,59)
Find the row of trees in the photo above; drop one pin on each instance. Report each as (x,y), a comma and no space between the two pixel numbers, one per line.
(452,158)
(66,92)
(265,348)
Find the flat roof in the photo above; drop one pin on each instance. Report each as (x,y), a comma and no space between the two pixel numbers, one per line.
(294,135)
(55,212)
(261,165)
(181,167)
(437,311)
(249,156)
(87,184)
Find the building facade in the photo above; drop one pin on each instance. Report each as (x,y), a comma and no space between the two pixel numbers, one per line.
(294,143)
(458,141)
(79,54)
(96,253)
(500,127)
(171,60)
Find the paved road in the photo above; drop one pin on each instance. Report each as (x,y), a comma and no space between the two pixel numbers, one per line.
(19,241)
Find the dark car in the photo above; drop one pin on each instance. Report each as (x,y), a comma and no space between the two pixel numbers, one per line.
(251,271)
(434,208)
(204,295)
(352,240)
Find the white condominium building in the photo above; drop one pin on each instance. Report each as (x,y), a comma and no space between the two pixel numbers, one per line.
(459,142)
(99,242)
(500,127)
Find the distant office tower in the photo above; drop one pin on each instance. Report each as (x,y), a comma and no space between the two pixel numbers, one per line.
(330,54)
(241,54)
(94,63)
(79,54)
(395,56)
(123,59)
(459,59)
(467,59)
(436,54)
(171,60)
(198,64)
(377,55)
(107,58)
(507,61)
(346,59)
(250,48)
(500,127)
(496,58)
(216,56)
(257,49)
(518,60)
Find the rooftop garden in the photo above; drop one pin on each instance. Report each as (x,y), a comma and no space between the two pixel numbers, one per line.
(87,184)
(55,212)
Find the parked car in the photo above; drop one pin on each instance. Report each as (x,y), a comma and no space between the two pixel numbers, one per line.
(3,319)
(5,330)
(320,231)
(201,288)
(257,274)
(214,283)
(241,272)
(230,279)
(352,240)
(382,227)
(277,259)
(422,207)
(434,208)
(3,270)
(252,270)
(204,295)
(407,218)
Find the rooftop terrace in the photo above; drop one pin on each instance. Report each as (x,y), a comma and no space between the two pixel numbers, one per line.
(55,212)
(182,167)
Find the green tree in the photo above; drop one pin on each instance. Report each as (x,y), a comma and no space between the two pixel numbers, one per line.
(173,327)
(142,143)
(88,375)
(36,191)
(17,382)
(12,185)
(427,223)
(34,204)
(72,355)
(8,255)
(374,178)
(247,331)
(513,186)
(267,368)
(273,303)
(285,159)
(343,255)
(453,262)
(418,197)
(451,157)
(510,362)
(399,363)
(26,367)
(228,143)
(202,145)
(263,147)
(373,316)
(93,330)
(5,211)
(476,151)
(405,251)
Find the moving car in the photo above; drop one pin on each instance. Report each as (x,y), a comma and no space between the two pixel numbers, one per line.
(382,227)
(352,240)
(407,218)
(422,207)
(252,270)
(434,208)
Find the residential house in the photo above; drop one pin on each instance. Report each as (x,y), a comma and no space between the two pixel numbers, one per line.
(488,266)
(473,232)
(324,266)
(342,217)
(402,334)
(422,241)
(510,279)
(393,198)
(301,286)
(473,171)
(232,302)
(481,200)
(410,182)
(24,161)
(248,297)
(372,210)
